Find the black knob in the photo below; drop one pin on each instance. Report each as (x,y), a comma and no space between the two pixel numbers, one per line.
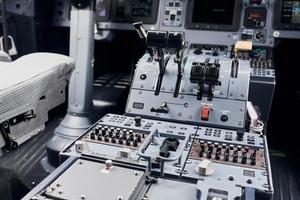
(226,157)
(235,158)
(200,154)
(138,120)
(120,141)
(244,158)
(224,118)
(135,143)
(239,135)
(139,138)
(92,135)
(103,131)
(208,155)
(253,161)
(110,134)
(99,137)
(217,157)
(131,138)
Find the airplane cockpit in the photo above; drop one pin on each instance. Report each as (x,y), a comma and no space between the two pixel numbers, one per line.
(149,99)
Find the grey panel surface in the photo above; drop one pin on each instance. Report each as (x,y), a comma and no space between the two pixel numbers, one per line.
(79,181)
(223,172)
(165,189)
(112,151)
(235,110)
(86,180)
(229,98)
(221,135)
(238,87)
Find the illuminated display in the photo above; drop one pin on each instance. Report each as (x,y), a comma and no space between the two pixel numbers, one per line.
(291,12)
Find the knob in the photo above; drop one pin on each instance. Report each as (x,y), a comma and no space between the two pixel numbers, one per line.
(139,138)
(226,157)
(99,137)
(253,161)
(135,143)
(205,168)
(217,157)
(200,154)
(240,136)
(224,118)
(92,135)
(235,158)
(108,164)
(138,120)
(244,157)
(113,139)
(120,141)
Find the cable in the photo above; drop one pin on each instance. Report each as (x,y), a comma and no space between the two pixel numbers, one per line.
(258,127)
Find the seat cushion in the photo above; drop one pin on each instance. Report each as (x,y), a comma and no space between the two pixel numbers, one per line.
(26,80)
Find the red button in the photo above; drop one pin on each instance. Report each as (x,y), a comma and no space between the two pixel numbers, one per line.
(205,112)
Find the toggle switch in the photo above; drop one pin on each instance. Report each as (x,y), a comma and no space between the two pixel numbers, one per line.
(205,113)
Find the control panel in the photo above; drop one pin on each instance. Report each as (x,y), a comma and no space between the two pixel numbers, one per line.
(255,17)
(173,13)
(257,20)
(185,127)
(134,10)
(199,161)
(262,78)
(261,62)
(227,108)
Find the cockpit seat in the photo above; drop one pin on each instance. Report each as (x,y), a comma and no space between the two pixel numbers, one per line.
(30,87)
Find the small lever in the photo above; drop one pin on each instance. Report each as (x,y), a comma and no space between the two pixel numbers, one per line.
(239,46)
(169,144)
(206,74)
(176,41)
(162,69)
(162,109)
(156,42)
(143,36)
